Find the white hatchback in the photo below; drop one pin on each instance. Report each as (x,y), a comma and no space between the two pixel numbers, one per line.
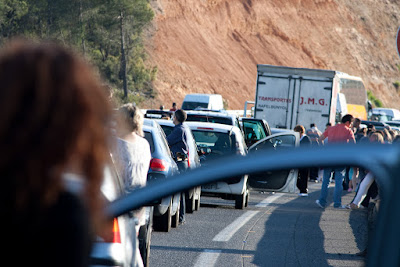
(216,141)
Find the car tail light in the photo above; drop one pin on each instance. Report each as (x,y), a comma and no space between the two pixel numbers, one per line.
(158,165)
(188,159)
(113,236)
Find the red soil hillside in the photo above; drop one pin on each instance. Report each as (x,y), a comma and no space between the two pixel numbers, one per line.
(213,46)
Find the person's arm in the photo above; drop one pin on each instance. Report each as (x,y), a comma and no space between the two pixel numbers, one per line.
(351,138)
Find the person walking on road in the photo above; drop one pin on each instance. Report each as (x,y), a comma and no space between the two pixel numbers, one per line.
(177,141)
(340,133)
(302,179)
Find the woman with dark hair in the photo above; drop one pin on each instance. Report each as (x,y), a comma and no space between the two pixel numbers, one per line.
(54,117)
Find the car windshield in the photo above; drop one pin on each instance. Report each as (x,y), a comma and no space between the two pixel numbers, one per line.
(220,144)
(193,105)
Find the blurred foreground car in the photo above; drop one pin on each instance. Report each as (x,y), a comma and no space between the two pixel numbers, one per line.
(118,246)
(193,195)
(382,160)
(162,166)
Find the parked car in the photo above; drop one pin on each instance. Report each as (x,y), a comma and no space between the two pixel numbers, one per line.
(377,124)
(218,141)
(158,114)
(162,166)
(193,195)
(382,160)
(281,180)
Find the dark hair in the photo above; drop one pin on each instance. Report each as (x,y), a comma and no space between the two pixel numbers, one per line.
(54,116)
(299,128)
(180,115)
(312,125)
(347,118)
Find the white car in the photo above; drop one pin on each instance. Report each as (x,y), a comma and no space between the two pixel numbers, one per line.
(216,141)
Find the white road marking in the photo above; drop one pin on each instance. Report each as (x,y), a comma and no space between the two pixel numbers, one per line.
(268,200)
(227,233)
(207,258)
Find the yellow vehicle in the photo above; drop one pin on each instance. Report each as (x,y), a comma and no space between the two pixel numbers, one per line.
(356,95)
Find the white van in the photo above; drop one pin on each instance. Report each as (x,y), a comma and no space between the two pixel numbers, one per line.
(203,101)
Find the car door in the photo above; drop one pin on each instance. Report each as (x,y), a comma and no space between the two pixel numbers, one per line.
(254,130)
(279,181)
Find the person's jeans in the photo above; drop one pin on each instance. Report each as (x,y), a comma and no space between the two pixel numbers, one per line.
(337,194)
(183,166)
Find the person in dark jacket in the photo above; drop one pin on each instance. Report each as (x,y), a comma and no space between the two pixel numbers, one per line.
(177,141)
(303,173)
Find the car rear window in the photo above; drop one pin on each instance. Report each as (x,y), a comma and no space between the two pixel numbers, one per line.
(167,129)
(220,144)
(204,118)
(149,137)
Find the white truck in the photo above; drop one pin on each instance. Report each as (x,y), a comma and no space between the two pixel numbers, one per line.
(288,96)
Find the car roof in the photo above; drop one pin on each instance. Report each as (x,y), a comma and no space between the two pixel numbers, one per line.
(375,123)
(223,114)
(210,126)
(150,122)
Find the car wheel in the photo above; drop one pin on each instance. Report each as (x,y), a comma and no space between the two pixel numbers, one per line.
(190,204)
(175,218)
(163,223)
(198,203)
(144,245)
(247,198)
(240,200)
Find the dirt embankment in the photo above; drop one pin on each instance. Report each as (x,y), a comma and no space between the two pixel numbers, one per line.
(213,46)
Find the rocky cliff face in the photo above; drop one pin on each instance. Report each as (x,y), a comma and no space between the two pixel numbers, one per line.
(213,46)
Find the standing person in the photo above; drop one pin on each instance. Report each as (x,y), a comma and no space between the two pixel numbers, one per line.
(132,156)
(54,121)
(177,141)
(303,173)
(173,107)
(314,134)
(369,178)
(340,133)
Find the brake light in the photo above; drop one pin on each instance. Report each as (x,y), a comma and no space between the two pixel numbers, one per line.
(116,232)
(188,159)
(113,236)
(158,165)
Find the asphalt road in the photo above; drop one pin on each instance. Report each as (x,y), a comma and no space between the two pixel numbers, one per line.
(275,230)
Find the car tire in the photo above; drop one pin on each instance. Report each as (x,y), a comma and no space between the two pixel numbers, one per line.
(144,246)
(240,201)
(163,223)
(190,204)
(175,218)
(247,198)
(198,203)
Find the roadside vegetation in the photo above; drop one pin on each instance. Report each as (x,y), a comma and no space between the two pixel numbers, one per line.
(107,32)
